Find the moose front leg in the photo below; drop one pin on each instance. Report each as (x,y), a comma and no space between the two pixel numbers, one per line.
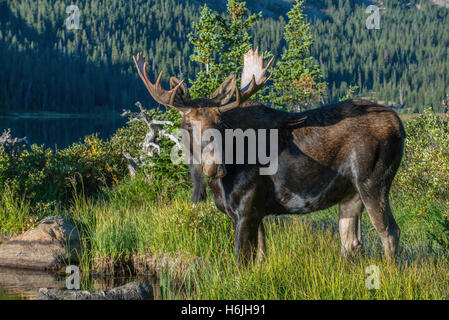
(246,239)
(199,184)
(261,245)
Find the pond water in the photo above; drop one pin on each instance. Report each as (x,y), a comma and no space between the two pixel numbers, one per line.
(59,130)
(16,284)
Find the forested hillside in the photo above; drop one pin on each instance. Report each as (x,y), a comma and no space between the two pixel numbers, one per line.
(47,67)
(269,8)
(405,62)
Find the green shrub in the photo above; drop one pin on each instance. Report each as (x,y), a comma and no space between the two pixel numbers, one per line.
(4,167)
(423,179)
(162,168)
(15,213)
(44,178)
(129,137)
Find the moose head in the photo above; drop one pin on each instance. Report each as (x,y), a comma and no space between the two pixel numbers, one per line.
(205,113)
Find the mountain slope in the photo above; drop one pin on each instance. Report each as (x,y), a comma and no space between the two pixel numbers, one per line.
(46,67)
(269,8)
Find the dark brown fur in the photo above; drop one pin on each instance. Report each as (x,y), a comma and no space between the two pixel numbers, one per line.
(345,154)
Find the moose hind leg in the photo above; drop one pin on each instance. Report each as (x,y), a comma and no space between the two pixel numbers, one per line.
(373,179)
(350,226)
(379,211)
(261,245)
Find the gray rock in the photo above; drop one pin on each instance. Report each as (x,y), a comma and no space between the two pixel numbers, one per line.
(130,291)
(51,245)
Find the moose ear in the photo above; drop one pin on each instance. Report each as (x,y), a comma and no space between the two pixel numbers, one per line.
(225,92)
(182,95)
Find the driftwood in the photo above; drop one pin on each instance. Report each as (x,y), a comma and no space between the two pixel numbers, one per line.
(157,131)
(13,147)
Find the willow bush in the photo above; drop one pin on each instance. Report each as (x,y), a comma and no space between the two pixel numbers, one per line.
(422,182)
(42,176)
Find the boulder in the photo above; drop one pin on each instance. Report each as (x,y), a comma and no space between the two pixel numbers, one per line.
(51,245)
(130,291)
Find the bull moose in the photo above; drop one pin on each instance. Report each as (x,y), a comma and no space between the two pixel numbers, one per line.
(346,153)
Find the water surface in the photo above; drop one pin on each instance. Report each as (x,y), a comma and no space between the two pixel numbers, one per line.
(18,284)
(24,284)
(59,130)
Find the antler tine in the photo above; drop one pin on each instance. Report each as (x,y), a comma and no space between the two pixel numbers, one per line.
(139,70)
(251,90)
(173,95)
(236,103)
(241,97)
(158,80)
(269,65)
(162,96)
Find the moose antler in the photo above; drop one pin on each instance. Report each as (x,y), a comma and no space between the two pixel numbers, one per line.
(162,96)
(253,79)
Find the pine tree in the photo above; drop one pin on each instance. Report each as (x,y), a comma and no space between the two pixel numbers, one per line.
(220,43)
(207,40)
(296,76)
(206,37)
(236,37)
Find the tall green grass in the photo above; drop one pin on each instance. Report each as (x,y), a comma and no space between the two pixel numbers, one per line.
(132,229)
(14,212)
(189,247)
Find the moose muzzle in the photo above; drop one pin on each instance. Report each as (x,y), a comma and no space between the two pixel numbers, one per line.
(214,170)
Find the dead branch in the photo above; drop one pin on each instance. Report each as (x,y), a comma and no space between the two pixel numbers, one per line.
(157,131)
(13,147)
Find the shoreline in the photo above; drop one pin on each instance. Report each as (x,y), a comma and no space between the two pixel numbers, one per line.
(56,115)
